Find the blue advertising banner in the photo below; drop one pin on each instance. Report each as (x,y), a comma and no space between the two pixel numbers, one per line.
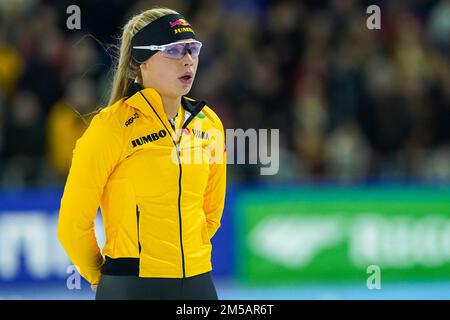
(31,253)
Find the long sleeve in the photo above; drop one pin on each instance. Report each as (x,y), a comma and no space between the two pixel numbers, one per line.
(214,196)
(95,155)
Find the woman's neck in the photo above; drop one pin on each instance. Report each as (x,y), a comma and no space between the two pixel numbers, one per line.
(171,106)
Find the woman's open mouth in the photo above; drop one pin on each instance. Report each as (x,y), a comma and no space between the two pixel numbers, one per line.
(186,79)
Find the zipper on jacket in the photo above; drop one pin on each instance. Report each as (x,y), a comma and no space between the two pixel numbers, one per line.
(177,146)
(137,218)
(179,207)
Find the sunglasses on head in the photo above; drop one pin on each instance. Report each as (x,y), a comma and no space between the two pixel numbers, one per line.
(176,50)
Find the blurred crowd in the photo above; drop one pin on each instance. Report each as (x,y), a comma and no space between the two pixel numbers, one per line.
(351,104)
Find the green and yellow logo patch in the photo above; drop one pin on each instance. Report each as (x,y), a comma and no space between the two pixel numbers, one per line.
(201,115)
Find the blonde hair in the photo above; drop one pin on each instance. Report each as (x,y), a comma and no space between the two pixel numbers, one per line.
(126,69)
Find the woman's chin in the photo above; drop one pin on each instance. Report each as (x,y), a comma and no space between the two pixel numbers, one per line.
(185,91)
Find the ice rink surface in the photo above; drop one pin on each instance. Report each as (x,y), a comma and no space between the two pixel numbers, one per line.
(228,290)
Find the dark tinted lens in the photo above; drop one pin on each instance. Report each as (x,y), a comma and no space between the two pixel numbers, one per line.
(177,51)
(194,48)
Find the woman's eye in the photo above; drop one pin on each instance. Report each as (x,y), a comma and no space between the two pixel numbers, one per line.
(172,51)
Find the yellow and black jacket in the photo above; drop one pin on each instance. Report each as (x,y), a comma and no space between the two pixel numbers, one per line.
(161,191)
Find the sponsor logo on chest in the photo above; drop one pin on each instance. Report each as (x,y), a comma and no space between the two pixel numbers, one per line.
(200,134)
(149,138)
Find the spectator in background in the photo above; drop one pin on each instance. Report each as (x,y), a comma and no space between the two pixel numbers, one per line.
(309,68)
(46,57)
(67,122)
(10,67)
(439,26)
(83,60)
(2,125)
(24,141)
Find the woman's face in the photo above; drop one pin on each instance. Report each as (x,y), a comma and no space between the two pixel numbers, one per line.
(167,76)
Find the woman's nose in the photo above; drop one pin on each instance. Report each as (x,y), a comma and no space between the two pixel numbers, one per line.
(187,58)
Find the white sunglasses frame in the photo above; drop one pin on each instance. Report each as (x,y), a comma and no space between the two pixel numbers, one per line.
(162,47)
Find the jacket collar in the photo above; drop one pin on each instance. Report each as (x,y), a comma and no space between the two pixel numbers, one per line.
(145,99)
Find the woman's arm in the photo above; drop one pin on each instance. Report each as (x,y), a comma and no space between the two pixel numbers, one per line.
(95,155)
(214,196)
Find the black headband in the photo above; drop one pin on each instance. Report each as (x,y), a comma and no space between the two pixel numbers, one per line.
(167,29)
